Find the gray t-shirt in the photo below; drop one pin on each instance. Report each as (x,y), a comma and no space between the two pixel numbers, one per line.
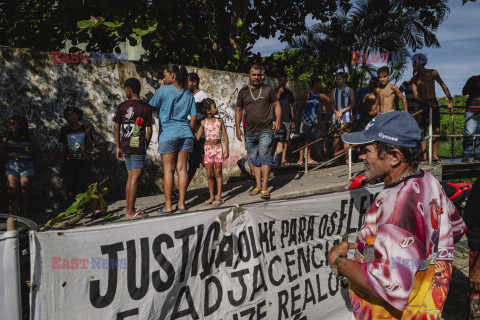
(257,105)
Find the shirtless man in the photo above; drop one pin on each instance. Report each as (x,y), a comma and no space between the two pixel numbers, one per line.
(370,101)
(423,87)
(387,91)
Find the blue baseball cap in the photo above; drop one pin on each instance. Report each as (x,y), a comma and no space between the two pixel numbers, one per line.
(397,128)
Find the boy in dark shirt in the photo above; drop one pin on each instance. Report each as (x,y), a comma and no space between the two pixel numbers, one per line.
(285,97)
(135,118)
(76,139)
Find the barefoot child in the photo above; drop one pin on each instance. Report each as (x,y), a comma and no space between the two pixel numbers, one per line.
(214,154)
(423,87)
(370,101)
(387,91)
(135,118)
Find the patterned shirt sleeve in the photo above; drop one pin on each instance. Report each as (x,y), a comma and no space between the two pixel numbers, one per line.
(399,254)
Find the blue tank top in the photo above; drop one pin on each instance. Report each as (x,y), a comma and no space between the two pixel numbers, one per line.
(309,115)
(341,101)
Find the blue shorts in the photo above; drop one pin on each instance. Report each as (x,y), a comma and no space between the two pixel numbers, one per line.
(134,161)
(259,147)
(22,168)
(171,146)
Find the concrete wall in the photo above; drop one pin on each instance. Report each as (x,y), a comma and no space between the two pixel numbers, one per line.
(30,84)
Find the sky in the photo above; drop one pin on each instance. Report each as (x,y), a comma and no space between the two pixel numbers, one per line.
(456,60)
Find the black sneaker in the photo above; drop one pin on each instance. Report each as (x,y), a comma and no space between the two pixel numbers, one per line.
(466,159)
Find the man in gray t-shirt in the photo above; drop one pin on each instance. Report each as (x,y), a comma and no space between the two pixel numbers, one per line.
(257,100)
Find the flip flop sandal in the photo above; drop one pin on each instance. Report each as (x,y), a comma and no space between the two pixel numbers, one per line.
(160,211)
(219,203)
(265,195)
(139,212)
(182,210)
(208,202)
(254,192)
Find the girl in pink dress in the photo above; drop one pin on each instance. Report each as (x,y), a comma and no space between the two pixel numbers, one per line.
(215,155)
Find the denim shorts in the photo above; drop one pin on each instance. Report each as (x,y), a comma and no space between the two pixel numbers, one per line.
(134,161)
(22,168)
(259,147)
(171,146)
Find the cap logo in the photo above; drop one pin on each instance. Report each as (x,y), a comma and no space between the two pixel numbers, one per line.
(370,124)
(384,136)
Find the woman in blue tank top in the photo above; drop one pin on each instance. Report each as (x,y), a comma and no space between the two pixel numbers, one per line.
(175,138)
(18,146)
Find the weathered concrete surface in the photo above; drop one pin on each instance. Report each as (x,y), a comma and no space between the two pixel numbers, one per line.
(281,186)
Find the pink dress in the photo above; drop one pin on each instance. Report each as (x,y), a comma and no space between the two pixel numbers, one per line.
(213,153)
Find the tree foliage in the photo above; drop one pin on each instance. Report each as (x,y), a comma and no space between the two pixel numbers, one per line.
(204,33)
(369,26)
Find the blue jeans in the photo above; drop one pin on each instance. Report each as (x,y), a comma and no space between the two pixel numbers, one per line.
(134,161)
(472,126)
(259,147)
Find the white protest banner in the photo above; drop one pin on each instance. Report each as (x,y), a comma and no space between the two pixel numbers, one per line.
(10,303)
(261,261)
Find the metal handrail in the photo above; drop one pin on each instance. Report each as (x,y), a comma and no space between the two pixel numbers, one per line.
(430,138)
(430,129)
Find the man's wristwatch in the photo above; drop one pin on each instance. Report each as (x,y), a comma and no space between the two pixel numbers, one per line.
(335,270)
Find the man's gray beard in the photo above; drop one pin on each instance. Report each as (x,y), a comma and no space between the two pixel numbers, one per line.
(377,179)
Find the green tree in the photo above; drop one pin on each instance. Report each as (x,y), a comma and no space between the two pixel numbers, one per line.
(369,26)
(205,33)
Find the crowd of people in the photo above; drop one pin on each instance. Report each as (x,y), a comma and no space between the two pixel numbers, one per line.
(191,132)
(410,220)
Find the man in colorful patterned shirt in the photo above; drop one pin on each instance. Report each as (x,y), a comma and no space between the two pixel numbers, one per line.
(414,224)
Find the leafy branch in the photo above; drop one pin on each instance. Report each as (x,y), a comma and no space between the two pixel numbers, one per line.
(85,204)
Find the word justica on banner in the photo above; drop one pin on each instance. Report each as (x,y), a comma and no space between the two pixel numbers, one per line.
(250,262)
(82,57)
